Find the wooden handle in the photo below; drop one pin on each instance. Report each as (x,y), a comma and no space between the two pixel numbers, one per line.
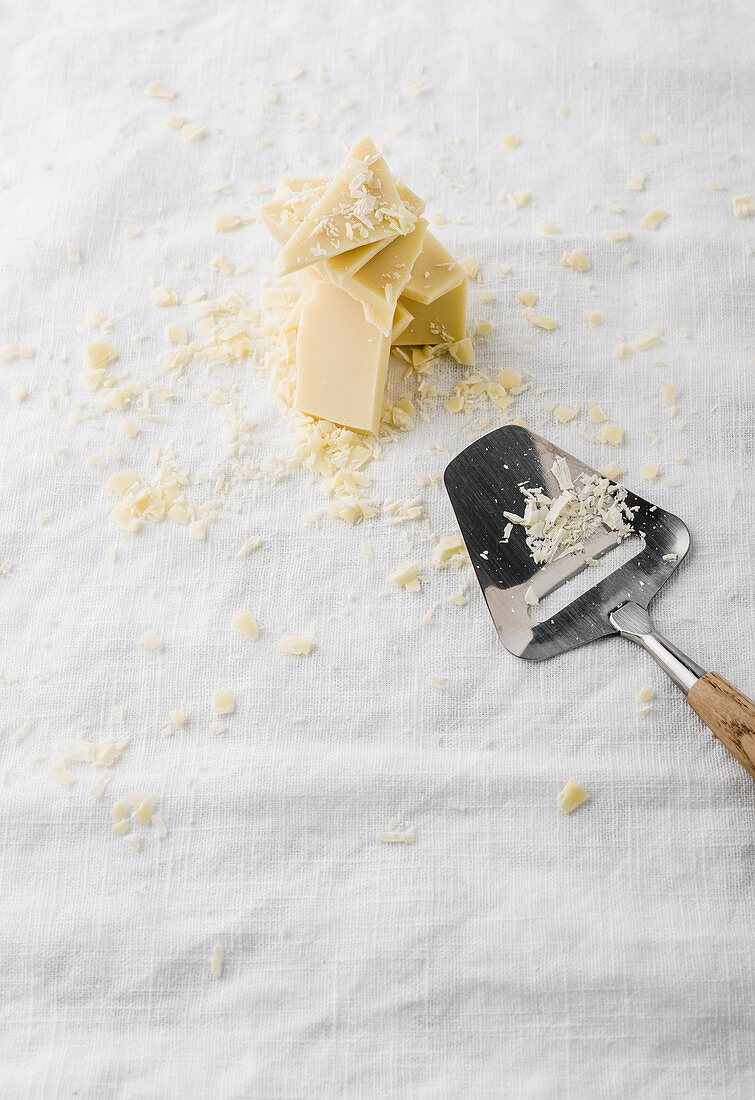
(729,715)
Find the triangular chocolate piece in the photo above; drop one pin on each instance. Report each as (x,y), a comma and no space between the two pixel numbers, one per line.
(360,206)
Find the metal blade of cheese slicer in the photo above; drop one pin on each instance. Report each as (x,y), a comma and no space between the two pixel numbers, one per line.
(486,480)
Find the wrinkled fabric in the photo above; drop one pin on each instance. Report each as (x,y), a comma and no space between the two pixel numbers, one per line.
(511,951)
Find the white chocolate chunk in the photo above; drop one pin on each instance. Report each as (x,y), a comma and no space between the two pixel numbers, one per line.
(338,268)
(360,206)
(434,274)
(378,283)
(443,321)
(402,318)
(283,215)
(342,361)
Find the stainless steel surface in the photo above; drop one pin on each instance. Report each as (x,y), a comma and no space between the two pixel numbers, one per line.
(484,481)
(633,622)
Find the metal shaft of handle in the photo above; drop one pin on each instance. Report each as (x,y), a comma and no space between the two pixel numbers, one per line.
(633,622)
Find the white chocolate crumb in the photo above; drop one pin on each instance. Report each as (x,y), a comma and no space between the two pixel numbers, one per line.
(159,90)
(654,218)
(245,623)
(578,260)
(295,645)
(223,702)
(539,320)
(216,962)
(572,796)
(193,132)
(398,836)
(743,206)
(223,223)
(249,546)
(406,576)
(164,296)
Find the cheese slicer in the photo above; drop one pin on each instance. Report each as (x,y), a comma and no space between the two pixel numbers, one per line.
(486,480)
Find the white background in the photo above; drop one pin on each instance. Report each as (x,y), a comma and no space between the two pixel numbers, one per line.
(511,951)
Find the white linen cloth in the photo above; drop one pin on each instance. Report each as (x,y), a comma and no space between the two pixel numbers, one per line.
(511,951)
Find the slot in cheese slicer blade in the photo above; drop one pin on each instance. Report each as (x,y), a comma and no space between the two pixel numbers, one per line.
(486,480)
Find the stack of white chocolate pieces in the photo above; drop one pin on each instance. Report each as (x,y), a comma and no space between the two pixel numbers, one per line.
(371,277)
